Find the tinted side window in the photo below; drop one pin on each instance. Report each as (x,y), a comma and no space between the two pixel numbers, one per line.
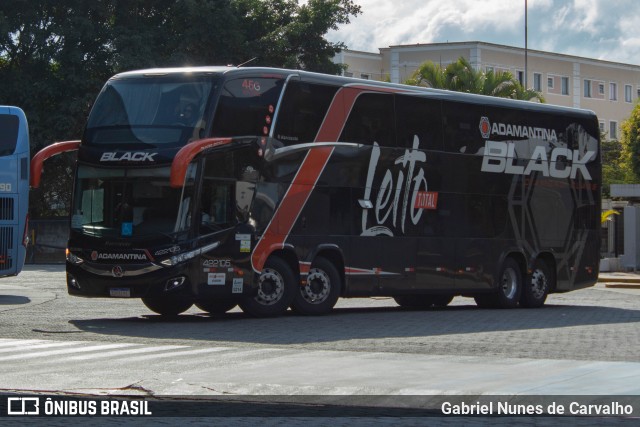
(8,134)
(303,108)
(371,120)
(462,127)
(421,117)
(246,107)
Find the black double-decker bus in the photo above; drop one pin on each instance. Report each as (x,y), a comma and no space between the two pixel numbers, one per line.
(273,188)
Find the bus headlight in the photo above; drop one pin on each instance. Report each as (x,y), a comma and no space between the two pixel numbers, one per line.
(71,281)
(174,283)
(73,259)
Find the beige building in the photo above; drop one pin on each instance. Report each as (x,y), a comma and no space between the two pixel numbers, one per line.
(610,89)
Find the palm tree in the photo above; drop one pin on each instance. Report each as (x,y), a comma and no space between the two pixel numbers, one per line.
(460,76)
(429,75)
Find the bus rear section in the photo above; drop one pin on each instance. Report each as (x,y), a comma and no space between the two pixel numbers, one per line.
(14,189)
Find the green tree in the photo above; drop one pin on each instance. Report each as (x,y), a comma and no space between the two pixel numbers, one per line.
(55,55)
(284,33)
(630,147)
(162,33)
(620,163)
(461,76)
(613,171)
(52,62)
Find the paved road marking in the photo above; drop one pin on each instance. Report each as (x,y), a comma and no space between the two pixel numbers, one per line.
(118,353)
(5,342)
(16,349)
(178,353)
(37,346)
(64,351)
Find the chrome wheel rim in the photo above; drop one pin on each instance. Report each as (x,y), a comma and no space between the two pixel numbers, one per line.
(317,288)
(538,283)
(270,287)
(509,283)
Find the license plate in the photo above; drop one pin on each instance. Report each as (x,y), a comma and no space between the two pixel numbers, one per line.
(120,292)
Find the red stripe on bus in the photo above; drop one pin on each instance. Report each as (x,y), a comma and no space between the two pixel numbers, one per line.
(310,170)
(186,154)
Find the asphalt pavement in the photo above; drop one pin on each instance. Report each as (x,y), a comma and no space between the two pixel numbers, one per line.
(583,343)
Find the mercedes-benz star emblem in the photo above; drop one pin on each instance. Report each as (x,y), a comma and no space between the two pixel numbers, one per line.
(117,271)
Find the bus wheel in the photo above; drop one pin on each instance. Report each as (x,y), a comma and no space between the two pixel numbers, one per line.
(275,290)
(509,285)
(509,288)
(535,291)
(321,292)
(216,306)
(167,306)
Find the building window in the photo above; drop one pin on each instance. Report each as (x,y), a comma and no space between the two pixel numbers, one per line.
(613,91)
(537,82)
(613,130)
(587,88)
(348,74)
(601,126)
(520,76)
(627,93)
(489,70)
(550,82)
(565,85)
(364,76)
(600,88)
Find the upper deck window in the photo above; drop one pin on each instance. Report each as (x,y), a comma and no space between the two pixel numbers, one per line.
(371,120)
(247,106)
(304,106)
(158,110)
(8,134)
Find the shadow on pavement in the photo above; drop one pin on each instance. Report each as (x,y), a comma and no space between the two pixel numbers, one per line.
(356,323)
(13,300)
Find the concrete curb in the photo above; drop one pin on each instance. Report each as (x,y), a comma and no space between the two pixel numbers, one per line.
(622,285)
(609,279)
(625,281)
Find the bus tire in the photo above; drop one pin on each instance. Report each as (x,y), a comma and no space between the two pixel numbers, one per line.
(167,305)
(509,284)
(321,291)
(276,287)
(216,306)
(536,288)
(509,288)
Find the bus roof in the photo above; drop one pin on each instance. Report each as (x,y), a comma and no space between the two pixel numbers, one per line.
(489,101)
(14,111)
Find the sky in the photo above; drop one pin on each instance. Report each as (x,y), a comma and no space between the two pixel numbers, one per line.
(601,29)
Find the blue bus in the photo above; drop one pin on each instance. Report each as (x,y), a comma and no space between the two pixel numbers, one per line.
(14,189)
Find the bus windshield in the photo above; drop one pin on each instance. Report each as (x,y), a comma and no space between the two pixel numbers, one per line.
(130,203)
(9,135)
(150,111)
